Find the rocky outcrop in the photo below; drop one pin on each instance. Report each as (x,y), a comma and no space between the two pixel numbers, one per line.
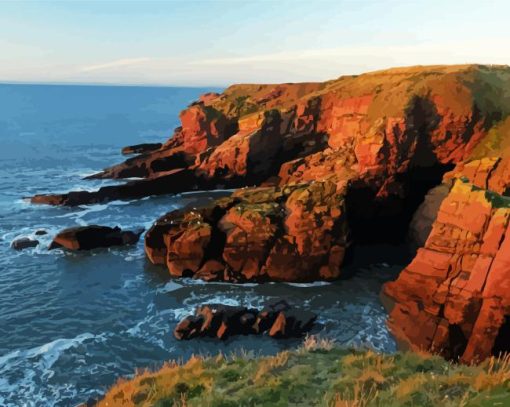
(92,237)
(141,148)
(175,181)
(373,128)
(453,297)
(293,233)
(220,321)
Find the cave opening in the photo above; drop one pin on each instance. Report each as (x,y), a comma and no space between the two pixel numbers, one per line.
(376,220)
(502,342)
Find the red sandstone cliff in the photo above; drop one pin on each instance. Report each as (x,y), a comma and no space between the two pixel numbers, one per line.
(339,163)
(454,297)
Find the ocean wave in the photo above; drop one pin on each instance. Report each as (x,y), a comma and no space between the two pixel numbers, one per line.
(24,373)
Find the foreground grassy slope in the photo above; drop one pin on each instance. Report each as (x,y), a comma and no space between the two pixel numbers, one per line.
(318,375)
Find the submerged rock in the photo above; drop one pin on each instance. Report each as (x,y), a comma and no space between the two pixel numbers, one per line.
(93,236)
(24,243)
(222,321)
(41,232)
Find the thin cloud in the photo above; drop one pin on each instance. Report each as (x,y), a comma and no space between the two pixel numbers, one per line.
(418,53)
(120,63)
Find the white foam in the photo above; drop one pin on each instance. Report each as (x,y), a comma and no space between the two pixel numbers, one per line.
(49,351)
(309,285)
(36,364)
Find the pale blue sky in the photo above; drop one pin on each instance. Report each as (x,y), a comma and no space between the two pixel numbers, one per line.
(221,42)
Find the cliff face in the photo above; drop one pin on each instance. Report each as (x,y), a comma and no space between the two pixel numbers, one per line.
(338,163)
(454,296)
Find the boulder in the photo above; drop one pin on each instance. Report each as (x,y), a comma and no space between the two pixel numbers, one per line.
(24,243)
(93,236)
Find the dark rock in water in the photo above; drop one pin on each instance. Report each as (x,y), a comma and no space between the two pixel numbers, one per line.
(292,323)
(174,181)
(41,232)
(189,327)
(221,321)
(94,236)
(24,243)
(141,148)
(268,315)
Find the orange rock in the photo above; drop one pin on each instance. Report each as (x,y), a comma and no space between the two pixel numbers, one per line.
(186,248)
(250,230)
(457,286)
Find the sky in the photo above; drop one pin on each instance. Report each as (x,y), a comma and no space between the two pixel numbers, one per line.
(216,43)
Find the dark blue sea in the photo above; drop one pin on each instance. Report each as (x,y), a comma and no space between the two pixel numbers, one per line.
(72,323)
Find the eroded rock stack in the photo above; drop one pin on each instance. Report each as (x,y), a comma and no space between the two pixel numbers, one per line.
(220,321)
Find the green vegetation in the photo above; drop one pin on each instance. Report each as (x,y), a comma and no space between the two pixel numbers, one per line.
(318,374)
(497,201)
(495,144)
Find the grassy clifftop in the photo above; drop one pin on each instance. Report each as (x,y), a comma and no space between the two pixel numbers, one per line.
(318,375)
(458,87)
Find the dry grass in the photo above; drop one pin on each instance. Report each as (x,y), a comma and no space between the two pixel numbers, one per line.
(269,364)
(497,373)
(317,374)
(361,397)
(313,342)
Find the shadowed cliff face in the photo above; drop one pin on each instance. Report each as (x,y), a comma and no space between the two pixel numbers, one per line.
(335,164)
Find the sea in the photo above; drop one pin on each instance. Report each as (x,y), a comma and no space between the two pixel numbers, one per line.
(72,324)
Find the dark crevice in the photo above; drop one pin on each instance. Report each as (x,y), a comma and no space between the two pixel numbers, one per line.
(457,343)
(214,250)
(502,342)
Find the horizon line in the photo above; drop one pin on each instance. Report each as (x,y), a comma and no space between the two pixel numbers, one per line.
(111,84)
